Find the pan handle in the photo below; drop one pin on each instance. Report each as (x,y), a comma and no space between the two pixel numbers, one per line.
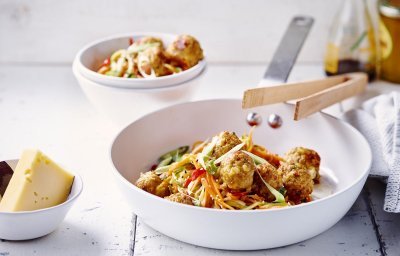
(288,49)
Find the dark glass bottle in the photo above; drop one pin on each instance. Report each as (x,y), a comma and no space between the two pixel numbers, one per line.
(351,44)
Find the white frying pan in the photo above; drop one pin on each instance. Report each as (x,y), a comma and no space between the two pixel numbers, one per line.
(345,154)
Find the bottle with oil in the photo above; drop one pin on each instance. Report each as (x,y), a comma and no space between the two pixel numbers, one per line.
(351,44)
(389,39)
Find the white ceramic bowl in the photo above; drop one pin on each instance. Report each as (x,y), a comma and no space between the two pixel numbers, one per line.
(126,99)
(346,159)
(90,58)
(33,224)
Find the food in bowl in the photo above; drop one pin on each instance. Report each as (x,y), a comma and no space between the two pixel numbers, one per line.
(340,183)
(233,173)
(36,183)
(147,57)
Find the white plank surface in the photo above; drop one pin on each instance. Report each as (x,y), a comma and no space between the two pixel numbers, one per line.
(42,106)
(387,224)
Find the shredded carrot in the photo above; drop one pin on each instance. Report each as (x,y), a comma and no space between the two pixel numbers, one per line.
(207,194)
(211,191)
(214,185)
(264,153)
(250,145)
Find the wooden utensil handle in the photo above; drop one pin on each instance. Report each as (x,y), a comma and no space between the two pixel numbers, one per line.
(290,91)
(314,95)
(313,103)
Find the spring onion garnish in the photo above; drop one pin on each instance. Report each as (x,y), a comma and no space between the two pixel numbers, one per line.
(135,48)
(164,162)
(207,163)
(175,155)
(233,150)
(283,191)
(257,159)
(236,203)
(204,158)
(179,176)
(162,169)
(144,60)
(210,147)
(279,198)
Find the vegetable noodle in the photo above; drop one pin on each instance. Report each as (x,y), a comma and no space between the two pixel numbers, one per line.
(228,172)
(147,58)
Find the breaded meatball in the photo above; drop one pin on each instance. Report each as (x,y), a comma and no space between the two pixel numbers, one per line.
(180,198)
(225,142)
(237,171)
(306,157)
(297,181)
(152,183)
(152,59)
(185,51)
(163,189)
(272,176)
(148,181)
(144,43)
(151,40)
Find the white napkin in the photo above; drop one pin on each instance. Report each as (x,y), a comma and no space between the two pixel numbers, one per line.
(378,120)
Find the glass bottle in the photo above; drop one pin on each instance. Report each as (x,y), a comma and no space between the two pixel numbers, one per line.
(351,44)
(389,39)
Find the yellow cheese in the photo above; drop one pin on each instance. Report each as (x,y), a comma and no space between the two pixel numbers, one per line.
(37,183)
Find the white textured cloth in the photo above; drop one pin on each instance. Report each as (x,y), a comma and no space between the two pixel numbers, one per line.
(378,120)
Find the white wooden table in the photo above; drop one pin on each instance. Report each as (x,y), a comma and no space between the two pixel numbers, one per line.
(42,106)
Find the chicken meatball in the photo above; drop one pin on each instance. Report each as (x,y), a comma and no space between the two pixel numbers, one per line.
(297,181)
(148,181)
(225,142)
(180,198)
(152,183)
(163,189)
(145,43)
(185,51)
(237,171)
(151,62)
(154,41)
(306,157)
(272,176)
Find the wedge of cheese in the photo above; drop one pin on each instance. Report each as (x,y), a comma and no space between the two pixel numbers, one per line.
(37,183)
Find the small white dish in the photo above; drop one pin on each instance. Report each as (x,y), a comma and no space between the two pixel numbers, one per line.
(345,162)
(26,225)
(91,56)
